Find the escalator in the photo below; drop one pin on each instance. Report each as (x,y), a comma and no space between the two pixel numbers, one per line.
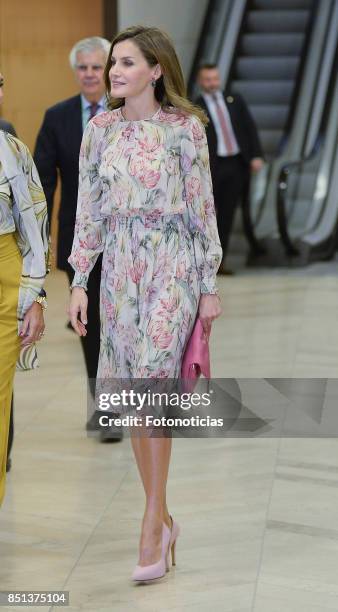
(268,64)
(262,214)
(269,51)
(258,46)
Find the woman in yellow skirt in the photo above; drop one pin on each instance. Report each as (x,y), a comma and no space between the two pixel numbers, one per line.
(23,267)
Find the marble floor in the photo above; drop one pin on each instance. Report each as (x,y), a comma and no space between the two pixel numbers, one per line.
(258,516)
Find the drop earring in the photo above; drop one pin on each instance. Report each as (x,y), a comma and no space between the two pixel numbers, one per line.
(153,83)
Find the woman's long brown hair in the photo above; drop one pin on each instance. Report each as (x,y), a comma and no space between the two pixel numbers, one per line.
(157,48)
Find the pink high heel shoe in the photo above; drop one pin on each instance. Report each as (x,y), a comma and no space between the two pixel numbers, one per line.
(175,532)
(144,573)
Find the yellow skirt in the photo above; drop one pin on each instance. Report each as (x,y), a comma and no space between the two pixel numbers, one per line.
(10,275)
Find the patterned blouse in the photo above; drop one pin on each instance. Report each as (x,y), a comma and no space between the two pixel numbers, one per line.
(23,209)
(157,166)
(7,224)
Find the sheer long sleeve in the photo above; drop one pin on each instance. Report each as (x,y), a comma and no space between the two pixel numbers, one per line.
(40,207)
(90,229)
(200,201)
(31,220)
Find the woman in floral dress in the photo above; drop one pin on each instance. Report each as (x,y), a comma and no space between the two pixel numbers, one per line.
(145,201)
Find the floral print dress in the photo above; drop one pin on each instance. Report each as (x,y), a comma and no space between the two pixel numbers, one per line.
(145,200)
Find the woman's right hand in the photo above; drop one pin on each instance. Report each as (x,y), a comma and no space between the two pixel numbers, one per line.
(78,304)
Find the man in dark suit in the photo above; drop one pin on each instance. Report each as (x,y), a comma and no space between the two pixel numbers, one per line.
(234,149)
(57,150)
(8,127)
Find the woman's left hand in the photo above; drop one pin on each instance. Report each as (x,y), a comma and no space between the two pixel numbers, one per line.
(208,310)
(33,325)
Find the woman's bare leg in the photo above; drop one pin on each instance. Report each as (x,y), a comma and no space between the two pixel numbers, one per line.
(152,457)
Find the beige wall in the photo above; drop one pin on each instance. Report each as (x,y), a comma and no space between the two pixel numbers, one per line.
(35,39)
(182,19)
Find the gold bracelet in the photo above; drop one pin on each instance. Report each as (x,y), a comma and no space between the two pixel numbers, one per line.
(42,301)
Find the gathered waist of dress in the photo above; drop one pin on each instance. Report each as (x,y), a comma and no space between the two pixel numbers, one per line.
(146,220)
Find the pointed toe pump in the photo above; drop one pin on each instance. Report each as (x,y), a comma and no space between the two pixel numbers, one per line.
(143,573)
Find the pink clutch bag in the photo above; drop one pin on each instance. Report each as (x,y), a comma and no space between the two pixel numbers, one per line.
(196,359)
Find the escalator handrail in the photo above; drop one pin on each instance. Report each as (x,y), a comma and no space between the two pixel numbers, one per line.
(238,18)
(285,173)
(282,186)
(297,162)
(229,76)
(301,69)
(248,225)
(197,57)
